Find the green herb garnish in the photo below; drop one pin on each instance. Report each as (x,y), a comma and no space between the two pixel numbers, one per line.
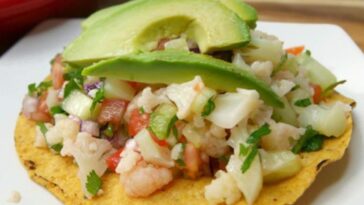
(258,134)
(99,96)
(93,183)
(243,150)
(141,110)
(34,90)
(171,125)
(314,144)
(180,162)
(57,147)
(303,102)
(208,108)
(75,75)
(57,110)
(249,159)
(175,132)
(109,131)
(311,140)
(70,87)
(42,128)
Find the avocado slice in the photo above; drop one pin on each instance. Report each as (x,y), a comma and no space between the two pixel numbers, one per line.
(139,27)
(243,10)
(172,66)
(103,14)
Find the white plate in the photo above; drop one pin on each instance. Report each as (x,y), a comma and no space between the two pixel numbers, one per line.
(28,61)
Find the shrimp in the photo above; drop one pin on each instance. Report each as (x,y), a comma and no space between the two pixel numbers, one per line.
(192,160)
(144,179)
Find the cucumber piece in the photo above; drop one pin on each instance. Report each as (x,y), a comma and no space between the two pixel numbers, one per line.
(162,120)
(201,99)
(118,89)
(286,114)
(279,165)
(316,72)
(79,104)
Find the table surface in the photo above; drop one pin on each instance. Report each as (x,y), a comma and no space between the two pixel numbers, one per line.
(348,14)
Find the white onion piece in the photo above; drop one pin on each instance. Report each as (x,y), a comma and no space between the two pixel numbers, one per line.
(30,105)
(90,127)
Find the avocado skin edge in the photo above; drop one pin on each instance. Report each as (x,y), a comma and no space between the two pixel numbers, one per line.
(180,66)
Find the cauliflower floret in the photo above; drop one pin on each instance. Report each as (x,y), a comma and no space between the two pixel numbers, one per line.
(64,129)
(40,140)
(149,100)
(263,70)
(184,94)
(282,87)
(90,154)
(223,189)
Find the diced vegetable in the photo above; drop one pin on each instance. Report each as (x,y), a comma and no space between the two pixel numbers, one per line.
(281,137)
(151,151)
(279,165)
(137,122)
(118,89)
(57,72)
(231,108)
(162,120)
(327,120)
(176,44)
(295,50)
(250,182)
(317,92)
(192,135)
(316,72)
(78,104)
(286,114)
(113,160)
(201,99)
(296,96)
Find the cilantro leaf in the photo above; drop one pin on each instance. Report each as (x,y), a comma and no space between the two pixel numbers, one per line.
(303,102)
(100,95)
(57,110)
(208,108)
(175,132)
(243,150)
(42,128)
(258,134)
(249,159)
(304,139)
(43,86)
(32,89)
(93,183)
(57,147)
(171,125)
(70,86)
(75,75)
(314,144)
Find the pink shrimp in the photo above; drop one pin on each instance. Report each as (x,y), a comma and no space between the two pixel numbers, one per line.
(145,179)
(192,160)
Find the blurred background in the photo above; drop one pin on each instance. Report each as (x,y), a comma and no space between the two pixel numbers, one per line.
(17,17)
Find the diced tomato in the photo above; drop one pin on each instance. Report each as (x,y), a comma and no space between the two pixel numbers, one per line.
(162,143)
(111,112)
(113,160)
(42,113)
(138,121)
(57,73)
(295,50)
(136,85)
(317,93)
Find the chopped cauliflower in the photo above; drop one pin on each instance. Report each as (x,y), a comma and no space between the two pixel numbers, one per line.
(88,159)
(149,100)
(184,94)
(282,87)
(40,140)
(129,159)
(263,70)
(63,129)
(223,189)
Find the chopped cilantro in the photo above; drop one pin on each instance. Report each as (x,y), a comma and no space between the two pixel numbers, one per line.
(93,183)
(109,131)
(208,108)
(75,75)
(34,90)
(57,147)
(43,86)
(171,125)
(258,134)
(180,162)
(303,102)
(175,132)
(42,128)
(141,110)
(99,96)
(57,110)
(249,159)
(308,141)
(70,86)
(243,150)
(314,144)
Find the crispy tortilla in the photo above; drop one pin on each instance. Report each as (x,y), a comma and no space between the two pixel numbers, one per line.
(59,175)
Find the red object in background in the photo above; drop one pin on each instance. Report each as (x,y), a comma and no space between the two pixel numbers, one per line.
(18,16)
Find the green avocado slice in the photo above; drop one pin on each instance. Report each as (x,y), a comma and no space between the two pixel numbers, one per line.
(243,10)
(180,66)
(139,28)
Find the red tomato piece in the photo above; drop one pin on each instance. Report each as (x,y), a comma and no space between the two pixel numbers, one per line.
(138,121)
(162,143)
(111,112)
(317,93)
(113,160)
(295,50)
(57,73)
(42,113)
